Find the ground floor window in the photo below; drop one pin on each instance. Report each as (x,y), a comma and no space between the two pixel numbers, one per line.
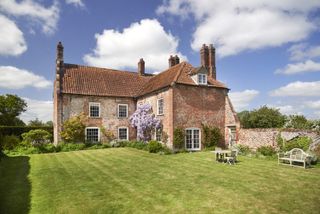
(123,133)
(192,139)
(158,134)
(92,134)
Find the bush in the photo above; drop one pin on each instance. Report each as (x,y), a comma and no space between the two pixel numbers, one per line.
(154,146)
(138,145)
(280,142)
(266,150)
(178,138)
(67,147)
(212,136)
(47,148)
(37,137)
(299,142)
(19,130)
(119,143)
(9,142)
(243,149)
(74,128)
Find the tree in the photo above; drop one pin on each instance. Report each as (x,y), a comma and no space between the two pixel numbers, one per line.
(298,122)
(74,129)
(264,117)
(37,137)
(144,121)
(11,106)
(36,122)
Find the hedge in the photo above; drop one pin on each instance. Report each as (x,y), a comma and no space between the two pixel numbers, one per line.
(18,130)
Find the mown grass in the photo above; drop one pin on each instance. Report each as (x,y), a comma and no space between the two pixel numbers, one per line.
(126,180)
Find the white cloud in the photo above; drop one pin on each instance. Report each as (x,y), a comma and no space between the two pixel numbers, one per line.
(236,26)
(242,99)
(12,42)
(77,3)
(40,109)
(146,39)
(288,109)
(313,104)
(302,89)
(15,78)
(302,51)
(301,67)
(47,17)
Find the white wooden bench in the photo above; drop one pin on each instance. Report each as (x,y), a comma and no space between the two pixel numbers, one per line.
(295,157)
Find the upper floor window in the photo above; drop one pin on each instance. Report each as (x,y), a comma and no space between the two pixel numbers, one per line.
(202,79)
(160,103)
(123,110)
(94,109)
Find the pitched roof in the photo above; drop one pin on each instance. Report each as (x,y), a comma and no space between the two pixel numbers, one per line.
(86,80)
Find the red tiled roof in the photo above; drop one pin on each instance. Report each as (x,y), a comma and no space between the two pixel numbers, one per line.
(86,80)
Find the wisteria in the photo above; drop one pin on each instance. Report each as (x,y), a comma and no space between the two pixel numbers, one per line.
(144,121)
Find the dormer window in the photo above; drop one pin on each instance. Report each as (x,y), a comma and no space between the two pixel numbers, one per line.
(202,79)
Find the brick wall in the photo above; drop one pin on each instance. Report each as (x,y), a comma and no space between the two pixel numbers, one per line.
(75,104)
(193,106)
(255,138)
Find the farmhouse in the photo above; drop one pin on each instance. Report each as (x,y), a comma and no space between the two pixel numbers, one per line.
(181,96)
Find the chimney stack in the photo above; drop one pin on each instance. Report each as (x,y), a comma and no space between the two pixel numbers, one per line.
(141,67)
(212,61)
(208,59)
(59,59)
(173,60)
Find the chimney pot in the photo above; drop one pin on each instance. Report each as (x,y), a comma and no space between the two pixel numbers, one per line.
(177,60)
(171,61)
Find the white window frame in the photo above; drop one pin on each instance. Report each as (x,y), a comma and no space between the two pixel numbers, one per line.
(123,127)
(92,128)
(192,139)
(155,134)
(94,104)
(127,107)
(158,113)
(201,77)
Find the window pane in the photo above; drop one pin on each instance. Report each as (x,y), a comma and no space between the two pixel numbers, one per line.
(159,134)
(160,106)
(196,139)
(123,134)
(92,134)
(189,139)
(94,110)
(122,111)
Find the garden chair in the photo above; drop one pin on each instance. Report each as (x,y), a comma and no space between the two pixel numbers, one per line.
(232,158)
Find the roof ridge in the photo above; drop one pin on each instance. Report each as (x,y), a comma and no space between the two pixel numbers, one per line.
(178,73)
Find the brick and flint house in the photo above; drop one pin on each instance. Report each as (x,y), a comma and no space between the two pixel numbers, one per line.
(181,96)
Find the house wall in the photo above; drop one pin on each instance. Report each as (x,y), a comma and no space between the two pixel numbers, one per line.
(167,117)
(73,105)
(231,120)
(193,106)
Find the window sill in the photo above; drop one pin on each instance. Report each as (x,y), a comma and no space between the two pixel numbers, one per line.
(94,117)
(160,114)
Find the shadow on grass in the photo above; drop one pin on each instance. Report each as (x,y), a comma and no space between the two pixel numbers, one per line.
(15,186)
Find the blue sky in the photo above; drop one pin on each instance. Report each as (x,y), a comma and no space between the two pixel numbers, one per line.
(268,51)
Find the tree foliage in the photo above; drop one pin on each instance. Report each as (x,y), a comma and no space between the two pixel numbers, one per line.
(178,138)
(74,129)
(144,121)
(264,117)
(211,136)
(37,137)
(298,122)
(11,106)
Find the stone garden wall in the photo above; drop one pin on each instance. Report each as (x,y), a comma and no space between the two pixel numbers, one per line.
(255,138)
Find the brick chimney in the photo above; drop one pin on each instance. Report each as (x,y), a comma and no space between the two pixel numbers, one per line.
(173,60)
(208,59)
(141,67)
(212,61)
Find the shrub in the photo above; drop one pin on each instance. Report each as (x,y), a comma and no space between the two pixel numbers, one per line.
(9,142)
(212,136)
(154,146)
(299,142)
(74,128)
(280,142)
(266,150)
(138,145)
(178,138)
(47,148)
(118,143)
(19,130)
(67,147)
(37,137)
(243,149)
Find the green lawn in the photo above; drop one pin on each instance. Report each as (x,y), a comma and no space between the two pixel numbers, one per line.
(126,180)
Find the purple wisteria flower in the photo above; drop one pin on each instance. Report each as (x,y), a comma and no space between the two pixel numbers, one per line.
(144,121)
